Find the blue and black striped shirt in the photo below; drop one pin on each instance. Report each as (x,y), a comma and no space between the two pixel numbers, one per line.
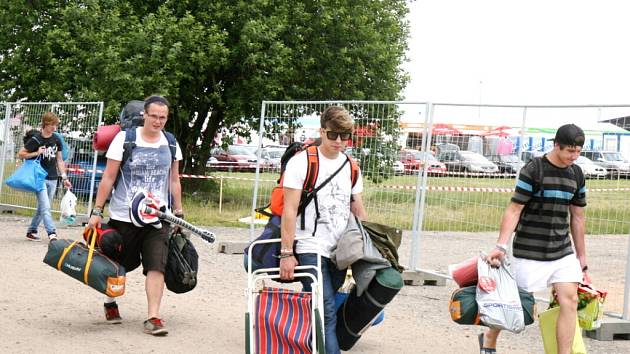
(543,228)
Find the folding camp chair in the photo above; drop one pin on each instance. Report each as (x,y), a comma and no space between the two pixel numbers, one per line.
(282,320)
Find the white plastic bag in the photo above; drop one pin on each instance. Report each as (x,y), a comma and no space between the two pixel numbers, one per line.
(68,208)
(498,299)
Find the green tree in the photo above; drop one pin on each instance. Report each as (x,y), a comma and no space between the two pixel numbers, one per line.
(215,60)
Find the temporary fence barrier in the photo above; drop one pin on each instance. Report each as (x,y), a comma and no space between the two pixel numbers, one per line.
(473,154)
(78,121)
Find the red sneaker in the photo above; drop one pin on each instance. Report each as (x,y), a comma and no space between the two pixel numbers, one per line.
(155,327)
(111,313)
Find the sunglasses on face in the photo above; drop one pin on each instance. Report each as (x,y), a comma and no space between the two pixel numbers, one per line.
(334,135)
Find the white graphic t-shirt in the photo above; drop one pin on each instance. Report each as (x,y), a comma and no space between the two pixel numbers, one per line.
(148,169)
(333,201)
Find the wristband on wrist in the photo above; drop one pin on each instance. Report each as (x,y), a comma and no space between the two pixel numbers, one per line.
(97,212)
(64,176)
(501,247)
(285,255)
(585,268)
(286,251)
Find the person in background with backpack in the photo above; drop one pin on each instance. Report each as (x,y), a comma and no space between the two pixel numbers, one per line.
(149,166)
(326,216)
(48,146)
(549,201)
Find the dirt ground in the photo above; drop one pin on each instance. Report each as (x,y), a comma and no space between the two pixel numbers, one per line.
(43,310)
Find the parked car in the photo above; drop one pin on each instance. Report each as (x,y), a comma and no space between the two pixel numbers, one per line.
(467,161)
(397,167)
(507,163)
(271,156)
(235,158)
(612,161)
(80,168)
(413,161)
(590,169)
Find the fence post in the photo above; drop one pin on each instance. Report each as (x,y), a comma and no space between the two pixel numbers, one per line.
(626,287)
(7,127)
(93,179)
(220,194)
(421,190)
(261,134)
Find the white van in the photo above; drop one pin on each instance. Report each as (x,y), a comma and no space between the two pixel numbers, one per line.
(612,161)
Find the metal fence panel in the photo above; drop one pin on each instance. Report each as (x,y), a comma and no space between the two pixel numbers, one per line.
(78,122)
(474,201)
(377,146)
(473,154)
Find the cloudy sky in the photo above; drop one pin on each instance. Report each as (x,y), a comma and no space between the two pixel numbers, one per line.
(553,52)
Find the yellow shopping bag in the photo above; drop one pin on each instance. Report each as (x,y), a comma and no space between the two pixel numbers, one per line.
(547,322)
(590,316)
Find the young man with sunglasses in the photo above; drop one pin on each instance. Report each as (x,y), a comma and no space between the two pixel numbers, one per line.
(326,217)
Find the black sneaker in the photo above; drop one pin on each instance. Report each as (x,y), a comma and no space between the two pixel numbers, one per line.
(33,237)
(111,313)
(155,327)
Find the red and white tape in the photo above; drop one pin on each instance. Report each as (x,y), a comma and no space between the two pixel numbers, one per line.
(430,188)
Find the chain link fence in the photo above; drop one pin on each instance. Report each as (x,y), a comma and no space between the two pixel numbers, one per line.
(78,122)
(452,167)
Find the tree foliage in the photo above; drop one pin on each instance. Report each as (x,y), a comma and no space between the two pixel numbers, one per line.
(215,60)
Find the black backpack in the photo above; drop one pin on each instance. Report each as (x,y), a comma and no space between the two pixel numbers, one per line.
(33,133)
(182,264)
(540,187)
(132,115)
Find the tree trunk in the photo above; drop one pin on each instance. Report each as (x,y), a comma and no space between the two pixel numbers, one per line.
(202,153)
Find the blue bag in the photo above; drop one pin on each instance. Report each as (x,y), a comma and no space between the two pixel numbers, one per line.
(266,255)
(29,177)
(65,151)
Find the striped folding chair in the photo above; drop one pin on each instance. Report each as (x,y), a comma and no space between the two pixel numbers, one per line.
(281,320)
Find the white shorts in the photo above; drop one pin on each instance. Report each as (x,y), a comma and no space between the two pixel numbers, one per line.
(539,275)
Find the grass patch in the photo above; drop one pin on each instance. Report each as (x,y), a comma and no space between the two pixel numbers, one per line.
(227,197)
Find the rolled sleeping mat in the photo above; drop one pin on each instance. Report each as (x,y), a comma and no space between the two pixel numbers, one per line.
(73,258)
(104,136)
(358,313)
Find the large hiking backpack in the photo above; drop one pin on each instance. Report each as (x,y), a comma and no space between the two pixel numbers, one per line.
(309,191)
(266,256)
(130,144)
(132,115)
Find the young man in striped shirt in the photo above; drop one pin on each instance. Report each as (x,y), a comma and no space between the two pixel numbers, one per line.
(546,205)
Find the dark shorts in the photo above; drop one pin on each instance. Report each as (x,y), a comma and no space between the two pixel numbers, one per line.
(146,245)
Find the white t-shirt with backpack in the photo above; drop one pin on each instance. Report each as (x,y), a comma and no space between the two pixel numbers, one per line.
(333,201)
(147,170)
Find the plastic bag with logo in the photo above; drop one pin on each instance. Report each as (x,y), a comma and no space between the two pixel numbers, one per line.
(498,298)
